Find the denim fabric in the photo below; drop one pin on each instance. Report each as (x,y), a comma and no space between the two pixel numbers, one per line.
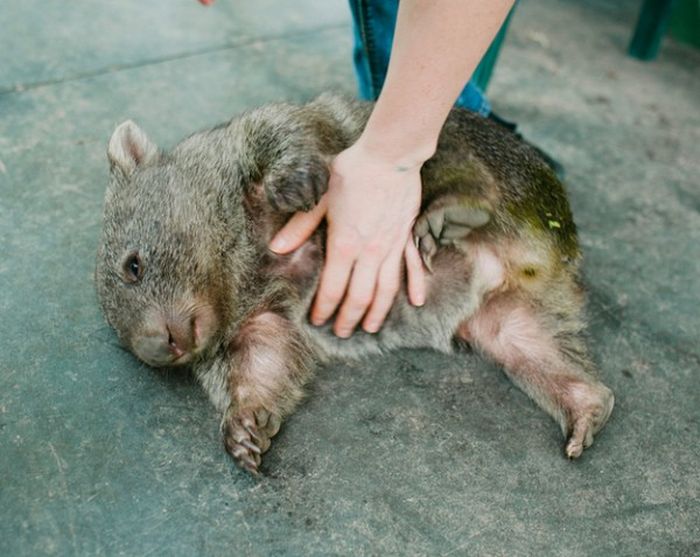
(373,26)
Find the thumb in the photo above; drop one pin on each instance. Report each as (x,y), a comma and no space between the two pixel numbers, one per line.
(298,229)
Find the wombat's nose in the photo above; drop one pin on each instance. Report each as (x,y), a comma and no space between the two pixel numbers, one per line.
(180,336)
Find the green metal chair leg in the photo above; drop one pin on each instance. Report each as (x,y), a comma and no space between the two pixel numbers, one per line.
(650,29)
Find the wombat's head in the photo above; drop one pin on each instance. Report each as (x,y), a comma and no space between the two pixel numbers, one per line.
(159,274)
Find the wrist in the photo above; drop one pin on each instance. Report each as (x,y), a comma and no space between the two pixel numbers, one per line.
(401,152)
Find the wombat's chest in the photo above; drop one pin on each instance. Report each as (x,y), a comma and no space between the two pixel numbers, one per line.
(301,268)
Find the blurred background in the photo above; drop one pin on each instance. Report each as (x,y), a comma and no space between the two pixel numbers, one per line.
(409,454)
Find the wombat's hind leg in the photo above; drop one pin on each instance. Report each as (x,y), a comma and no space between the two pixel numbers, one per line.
(545,355)
(448,219)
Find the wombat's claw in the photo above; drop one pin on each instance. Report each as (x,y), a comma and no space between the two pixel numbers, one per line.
(251,431)
(447,220)
(251,446)
(427,248)
(247,436)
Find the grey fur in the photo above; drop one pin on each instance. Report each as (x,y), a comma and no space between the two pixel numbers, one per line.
(200,218)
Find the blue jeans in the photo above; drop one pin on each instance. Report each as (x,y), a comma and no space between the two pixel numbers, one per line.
(373,25)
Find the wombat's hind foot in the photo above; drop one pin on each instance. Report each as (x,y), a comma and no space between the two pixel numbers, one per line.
(447,220)
(587,412)
(247,436)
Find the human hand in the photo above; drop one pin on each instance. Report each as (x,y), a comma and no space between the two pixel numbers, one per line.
(206,2)
(370,208)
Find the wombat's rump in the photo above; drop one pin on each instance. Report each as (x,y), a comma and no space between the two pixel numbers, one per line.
(184,275)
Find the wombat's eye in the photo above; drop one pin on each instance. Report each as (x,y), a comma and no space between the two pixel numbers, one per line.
(133,268)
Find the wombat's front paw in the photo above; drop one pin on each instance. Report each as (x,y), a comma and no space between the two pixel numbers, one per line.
(247,436)
(448,219)
(296,184)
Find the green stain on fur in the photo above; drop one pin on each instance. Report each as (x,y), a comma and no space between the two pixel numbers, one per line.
(544,208)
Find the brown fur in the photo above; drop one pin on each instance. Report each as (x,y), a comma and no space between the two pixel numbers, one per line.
(184,275)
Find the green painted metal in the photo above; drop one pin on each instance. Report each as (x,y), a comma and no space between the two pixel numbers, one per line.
(651,27)
(685,22)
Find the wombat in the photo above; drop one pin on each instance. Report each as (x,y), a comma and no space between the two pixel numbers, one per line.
(184,275)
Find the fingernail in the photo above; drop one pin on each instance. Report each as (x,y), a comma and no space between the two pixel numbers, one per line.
(317,321)
(343,333)
(278,243)
(372,328)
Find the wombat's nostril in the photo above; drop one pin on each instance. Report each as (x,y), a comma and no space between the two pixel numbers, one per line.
(171,341)
(179,337)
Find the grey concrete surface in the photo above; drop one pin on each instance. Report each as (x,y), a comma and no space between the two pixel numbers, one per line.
(413,453)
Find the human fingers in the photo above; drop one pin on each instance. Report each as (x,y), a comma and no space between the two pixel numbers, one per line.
(360,294)
(388,283)
(340,257)
(298,229)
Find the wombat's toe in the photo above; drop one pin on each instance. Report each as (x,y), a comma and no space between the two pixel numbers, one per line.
(247,436)
(447,220)
(466,216)
(581,438)
(592,408)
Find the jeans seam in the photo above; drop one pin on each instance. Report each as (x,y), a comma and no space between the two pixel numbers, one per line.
(368,44)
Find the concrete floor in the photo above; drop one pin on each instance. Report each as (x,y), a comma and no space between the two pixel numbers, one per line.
(414,453)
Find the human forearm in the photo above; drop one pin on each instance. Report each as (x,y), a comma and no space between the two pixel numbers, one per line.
(437,45)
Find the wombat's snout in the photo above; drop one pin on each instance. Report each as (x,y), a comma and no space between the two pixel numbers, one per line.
(180,336)
(174,337)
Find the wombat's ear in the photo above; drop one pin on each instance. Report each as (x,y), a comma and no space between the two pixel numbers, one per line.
(130,147)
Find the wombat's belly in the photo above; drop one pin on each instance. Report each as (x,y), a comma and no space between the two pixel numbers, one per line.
(461,278)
